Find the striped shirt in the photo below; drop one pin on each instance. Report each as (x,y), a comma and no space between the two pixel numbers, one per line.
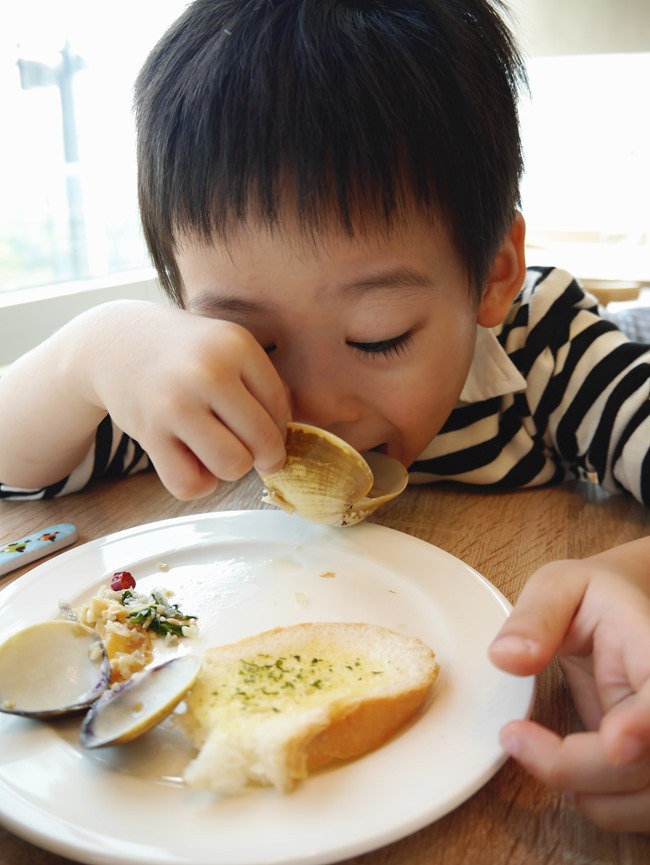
(581,407)
(556,391)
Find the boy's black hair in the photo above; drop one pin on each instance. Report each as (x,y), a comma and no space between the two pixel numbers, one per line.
(356,109)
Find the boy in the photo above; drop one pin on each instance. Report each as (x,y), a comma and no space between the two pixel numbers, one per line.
(329,193)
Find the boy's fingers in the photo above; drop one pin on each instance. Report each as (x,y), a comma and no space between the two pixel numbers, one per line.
(626,728)
(576,763)
(233,438)
(617,813)
(181,472)
(616,799)
(537,626)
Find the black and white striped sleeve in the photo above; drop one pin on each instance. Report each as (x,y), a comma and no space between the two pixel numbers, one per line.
(588,389)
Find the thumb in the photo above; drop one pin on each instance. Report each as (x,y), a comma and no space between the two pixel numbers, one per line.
(540,619)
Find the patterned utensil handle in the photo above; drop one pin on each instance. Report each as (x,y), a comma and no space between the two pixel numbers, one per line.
(15,554)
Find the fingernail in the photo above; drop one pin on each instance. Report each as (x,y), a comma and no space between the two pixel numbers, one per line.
(270,469)
(511,645)
(510,743)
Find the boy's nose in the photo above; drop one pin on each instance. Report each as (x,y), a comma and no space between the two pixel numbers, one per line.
(321,390)
(324,405)
(321,412)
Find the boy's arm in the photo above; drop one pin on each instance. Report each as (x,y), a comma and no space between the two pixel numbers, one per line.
(199,395)
(589,387)
(47,423)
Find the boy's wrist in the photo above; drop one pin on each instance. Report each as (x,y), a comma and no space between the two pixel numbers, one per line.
(99,347)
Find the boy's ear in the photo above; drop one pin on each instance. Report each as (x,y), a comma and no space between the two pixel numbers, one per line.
(506,276)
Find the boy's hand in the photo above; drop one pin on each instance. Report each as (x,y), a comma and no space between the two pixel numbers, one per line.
(595,616)
(200,395)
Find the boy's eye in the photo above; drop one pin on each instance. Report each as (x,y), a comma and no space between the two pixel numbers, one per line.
(386,347)
(269,349)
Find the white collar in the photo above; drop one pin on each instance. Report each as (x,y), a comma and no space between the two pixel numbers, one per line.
(492,373)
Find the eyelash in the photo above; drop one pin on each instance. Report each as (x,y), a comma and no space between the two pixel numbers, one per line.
(389,348)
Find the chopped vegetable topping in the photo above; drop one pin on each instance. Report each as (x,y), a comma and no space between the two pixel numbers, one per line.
(157,614)
(130,622)
(153,612)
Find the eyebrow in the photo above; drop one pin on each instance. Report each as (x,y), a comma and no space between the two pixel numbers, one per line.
(394,278)
(220,303)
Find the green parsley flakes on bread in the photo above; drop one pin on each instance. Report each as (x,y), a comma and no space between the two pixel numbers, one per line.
(270,708)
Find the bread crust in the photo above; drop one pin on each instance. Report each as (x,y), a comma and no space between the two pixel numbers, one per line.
(363,728)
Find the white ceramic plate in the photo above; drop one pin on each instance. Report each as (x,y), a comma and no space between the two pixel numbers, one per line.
(241,573)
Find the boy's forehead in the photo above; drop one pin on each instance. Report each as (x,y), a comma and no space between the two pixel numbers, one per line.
(410,257)
(304,237)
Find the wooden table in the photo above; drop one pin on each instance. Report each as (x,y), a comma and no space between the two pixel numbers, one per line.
(513,820)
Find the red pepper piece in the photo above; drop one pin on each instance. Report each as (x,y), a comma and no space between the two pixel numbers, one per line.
(122,580)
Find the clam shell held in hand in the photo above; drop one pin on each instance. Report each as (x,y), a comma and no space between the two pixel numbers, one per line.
(52,668)
(131,708)
(325,480)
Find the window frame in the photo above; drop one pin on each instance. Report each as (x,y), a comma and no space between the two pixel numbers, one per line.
(31,315)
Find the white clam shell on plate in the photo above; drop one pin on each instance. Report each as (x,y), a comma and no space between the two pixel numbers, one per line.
(52,668)
(325,480)
(134,707)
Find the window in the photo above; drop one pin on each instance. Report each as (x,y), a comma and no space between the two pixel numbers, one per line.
(586,135)
(586,190)
(67,170)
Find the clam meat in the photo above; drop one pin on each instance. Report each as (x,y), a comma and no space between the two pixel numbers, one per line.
(52,668)
(129,709)
(325,480)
